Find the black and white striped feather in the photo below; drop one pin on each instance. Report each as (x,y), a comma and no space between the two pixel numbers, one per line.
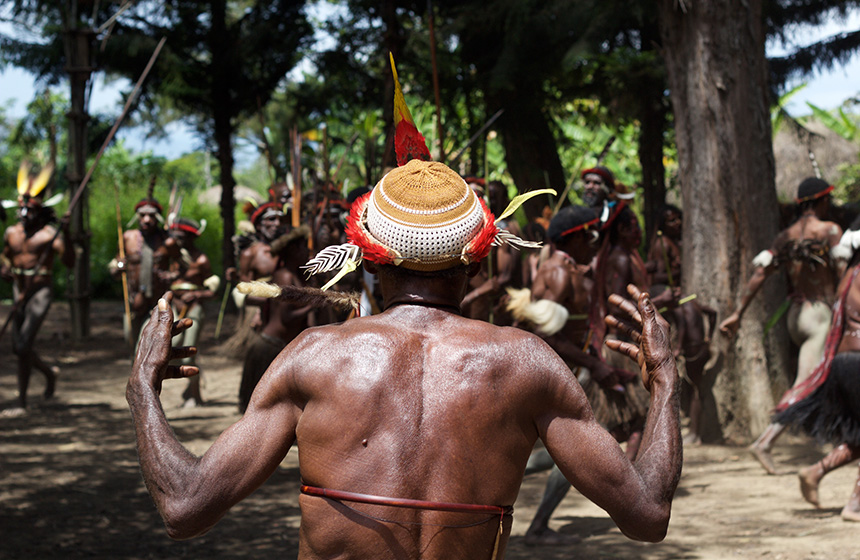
(334,257)
(505,237)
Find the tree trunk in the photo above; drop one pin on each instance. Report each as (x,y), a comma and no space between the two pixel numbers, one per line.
(714,53)
(222,115)
(651,129)
(652,119)
(77,43)
(531,152)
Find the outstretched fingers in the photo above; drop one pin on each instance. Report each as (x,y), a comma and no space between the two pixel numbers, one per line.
(180,326)
(627,306)
(624,328)
(178,372)
(632,350)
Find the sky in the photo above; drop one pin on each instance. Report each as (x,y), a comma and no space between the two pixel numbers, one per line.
(826,90)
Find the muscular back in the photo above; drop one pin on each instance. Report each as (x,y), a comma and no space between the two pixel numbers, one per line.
(805,249)
(383,401)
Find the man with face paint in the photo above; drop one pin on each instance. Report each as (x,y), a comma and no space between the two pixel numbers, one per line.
(146,261)
(27,262)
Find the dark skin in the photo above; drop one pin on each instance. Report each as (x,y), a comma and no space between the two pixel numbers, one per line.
(502,269)
(814,283)
(387,405)
(666,250)
(664,265)
(566,283)
(811,281)
(843,454)
(148,232)
(194,272)
(33,244)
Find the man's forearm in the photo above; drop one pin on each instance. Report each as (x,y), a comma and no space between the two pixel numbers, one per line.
(661,452)
(165,463)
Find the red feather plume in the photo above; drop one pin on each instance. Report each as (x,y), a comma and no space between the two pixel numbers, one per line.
(357,235)
(480,246)
(408,142)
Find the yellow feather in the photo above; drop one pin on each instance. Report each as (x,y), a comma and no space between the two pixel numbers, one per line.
(347,268)
(401,111)
(519,200)
(24,177)
(41,180)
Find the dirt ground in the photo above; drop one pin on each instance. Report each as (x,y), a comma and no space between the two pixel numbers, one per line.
(70,485)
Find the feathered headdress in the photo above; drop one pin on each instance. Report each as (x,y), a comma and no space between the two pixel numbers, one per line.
(422,215)
(148,201)
(31,187)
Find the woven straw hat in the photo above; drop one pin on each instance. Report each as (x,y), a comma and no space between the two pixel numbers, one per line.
(425,215)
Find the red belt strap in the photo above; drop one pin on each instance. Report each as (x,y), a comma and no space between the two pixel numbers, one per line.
(404,502)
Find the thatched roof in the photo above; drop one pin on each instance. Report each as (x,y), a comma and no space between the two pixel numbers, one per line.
(792,157)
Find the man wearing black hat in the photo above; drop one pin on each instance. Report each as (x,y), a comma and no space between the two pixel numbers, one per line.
(806,250)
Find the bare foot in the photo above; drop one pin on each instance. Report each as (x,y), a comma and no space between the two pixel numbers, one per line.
(764,457)
(548,537)
(51,382)
(13,412)
(850,514)
(192,403)
(692,439)
(809,480)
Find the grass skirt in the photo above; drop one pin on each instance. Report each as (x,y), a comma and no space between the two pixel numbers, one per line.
(831,414)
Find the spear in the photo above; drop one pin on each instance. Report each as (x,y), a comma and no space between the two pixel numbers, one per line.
(80,190)
(474,137)
(124,272)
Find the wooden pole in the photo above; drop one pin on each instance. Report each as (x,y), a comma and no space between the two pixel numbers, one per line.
(439,129)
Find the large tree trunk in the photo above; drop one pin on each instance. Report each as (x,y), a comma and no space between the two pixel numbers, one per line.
(714,53)
(77,43)
(652,128)
(222,115)
(531,152)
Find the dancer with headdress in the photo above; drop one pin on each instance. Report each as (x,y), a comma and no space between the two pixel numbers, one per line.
(27,262)
(146,262)
(826,405)
(559,308)
(194,283)
(808,251)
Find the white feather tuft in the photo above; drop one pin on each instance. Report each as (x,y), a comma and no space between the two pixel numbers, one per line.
(763,259)
(259,289)
(547,316)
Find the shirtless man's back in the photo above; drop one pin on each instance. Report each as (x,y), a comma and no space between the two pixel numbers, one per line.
(417,403)
(805,249)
